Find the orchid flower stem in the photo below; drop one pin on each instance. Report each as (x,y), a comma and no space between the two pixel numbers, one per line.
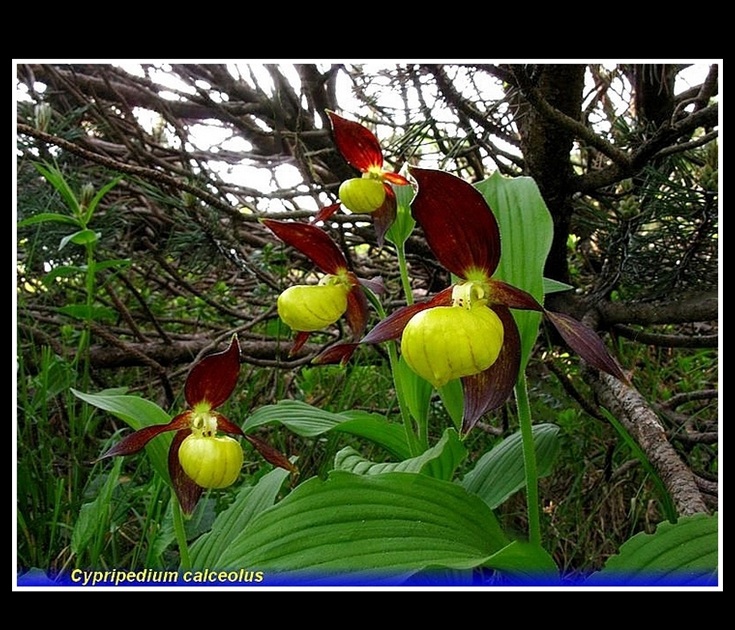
(405,282)
(181,535)
(413,441)
(529,461)
(422,442)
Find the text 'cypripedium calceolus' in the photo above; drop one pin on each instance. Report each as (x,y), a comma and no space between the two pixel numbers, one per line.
(199,458)
(467,331)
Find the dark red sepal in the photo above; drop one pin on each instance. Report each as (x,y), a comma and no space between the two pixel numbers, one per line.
(270,454)
(488,390)
(213,379)
(326,212)
(458,224)
(226,425)
(357,309)
(137,440)
(586,343)
(300,338)
(336,353)
(311,241)
(512,297)
(385,216)
(187,492)
(392,326)
(357,144)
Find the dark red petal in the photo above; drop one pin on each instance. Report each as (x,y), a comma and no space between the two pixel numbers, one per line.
(512,297)
(310,241)
(213,379)
(226,425)
(299,340)
(326,212)
(586,343)
(489,390)
(270,454)
(357,310)
(187,492)
(136,441)
(384,216)
(458,224)
(357,144)
(336,353)
(392,326)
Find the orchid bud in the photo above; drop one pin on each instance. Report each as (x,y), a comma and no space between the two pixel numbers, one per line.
(443,343)
(362,194)
(306,308)
(209,461)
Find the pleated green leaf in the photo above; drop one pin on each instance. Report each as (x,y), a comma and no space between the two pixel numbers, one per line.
(681,554)
(526,232)
(250,501)
(499,472)
(367,528)
(308,421)
(440,461)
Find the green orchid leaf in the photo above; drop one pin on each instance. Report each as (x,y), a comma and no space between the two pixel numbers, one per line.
(415,391)
(54,176)
(249,502)
(554,286)
(440,461)
(500,472)
(48,217)
(522,563)
(96,514)
(82,237)
(137,413)
(370,529)
(681,554)
(526,232)
(308,421)
(452,397)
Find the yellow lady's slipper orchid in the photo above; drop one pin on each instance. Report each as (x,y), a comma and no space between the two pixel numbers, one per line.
(362,194)
(307,308)
(448,342)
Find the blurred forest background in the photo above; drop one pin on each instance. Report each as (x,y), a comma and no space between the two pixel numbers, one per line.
(173,260)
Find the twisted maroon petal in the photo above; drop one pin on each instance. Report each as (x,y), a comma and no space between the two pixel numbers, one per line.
(488,390)
(392,326)
(134,442)
(357,309)
(226,425)
(586,343)
(187,492)
(384,216)
(270,454)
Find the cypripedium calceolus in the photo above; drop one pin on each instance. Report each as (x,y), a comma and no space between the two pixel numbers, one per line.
(199,458)
(467,331)
(372,192)
(308,308)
